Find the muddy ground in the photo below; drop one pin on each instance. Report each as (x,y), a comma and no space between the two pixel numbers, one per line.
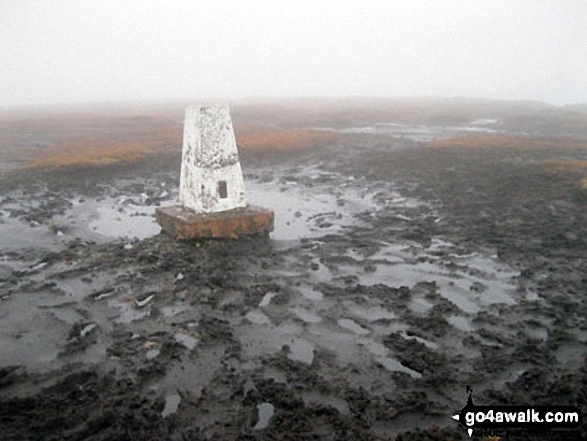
(397,275)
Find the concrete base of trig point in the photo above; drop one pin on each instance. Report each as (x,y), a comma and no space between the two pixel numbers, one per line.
(183,223)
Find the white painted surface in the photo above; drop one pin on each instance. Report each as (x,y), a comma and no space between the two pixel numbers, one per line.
(209,158)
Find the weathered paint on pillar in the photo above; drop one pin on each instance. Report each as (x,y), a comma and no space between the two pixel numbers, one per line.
(211,178)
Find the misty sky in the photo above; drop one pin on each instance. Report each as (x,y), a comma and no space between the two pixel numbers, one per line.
(70,51)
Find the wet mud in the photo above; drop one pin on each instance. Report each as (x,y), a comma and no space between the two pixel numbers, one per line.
(396,276)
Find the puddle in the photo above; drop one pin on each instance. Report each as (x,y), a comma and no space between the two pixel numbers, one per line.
(396,264)
(487,266)
(264,411)
(420,305)
(32,335)
(128,312)
(352,326)
(532,296)
(306,316)
(391,252)
(302,212)
(257,317)
(91,220)
(293,209)
(268,340)
(343,343)
(67,315)
(29,349)
(380,352)
(286,273)
(440,245)
(370,314)
(310,293)
(320,272)
(172,311)
(456,286)
(16,234)
(461,323)
(186,340)
(77,289)
(355,255)
(418,132)
(395,275)
(108,219)
(132,221)
(537,333)
(460,296)
(321,275)
(301,350)
(405,202)
(171,404)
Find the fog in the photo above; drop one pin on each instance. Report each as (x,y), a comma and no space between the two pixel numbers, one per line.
(67,51)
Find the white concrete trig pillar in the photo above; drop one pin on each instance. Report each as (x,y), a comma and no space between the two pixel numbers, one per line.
(211,178)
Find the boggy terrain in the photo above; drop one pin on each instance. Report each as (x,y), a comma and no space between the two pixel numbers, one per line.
(399,273)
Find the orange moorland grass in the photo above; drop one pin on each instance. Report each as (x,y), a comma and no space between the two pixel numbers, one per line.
(566,166)
(131,146)
(569,167)
(480,141)
(91,153)
(553,166)
(249,137)
(137,144)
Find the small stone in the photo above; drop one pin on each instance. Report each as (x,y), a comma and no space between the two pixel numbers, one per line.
(87,329)
(153,353)
(142,303)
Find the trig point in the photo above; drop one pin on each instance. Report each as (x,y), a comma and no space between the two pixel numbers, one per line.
(211,189)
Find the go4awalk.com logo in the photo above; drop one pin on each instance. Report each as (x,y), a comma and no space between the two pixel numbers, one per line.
(537,418)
